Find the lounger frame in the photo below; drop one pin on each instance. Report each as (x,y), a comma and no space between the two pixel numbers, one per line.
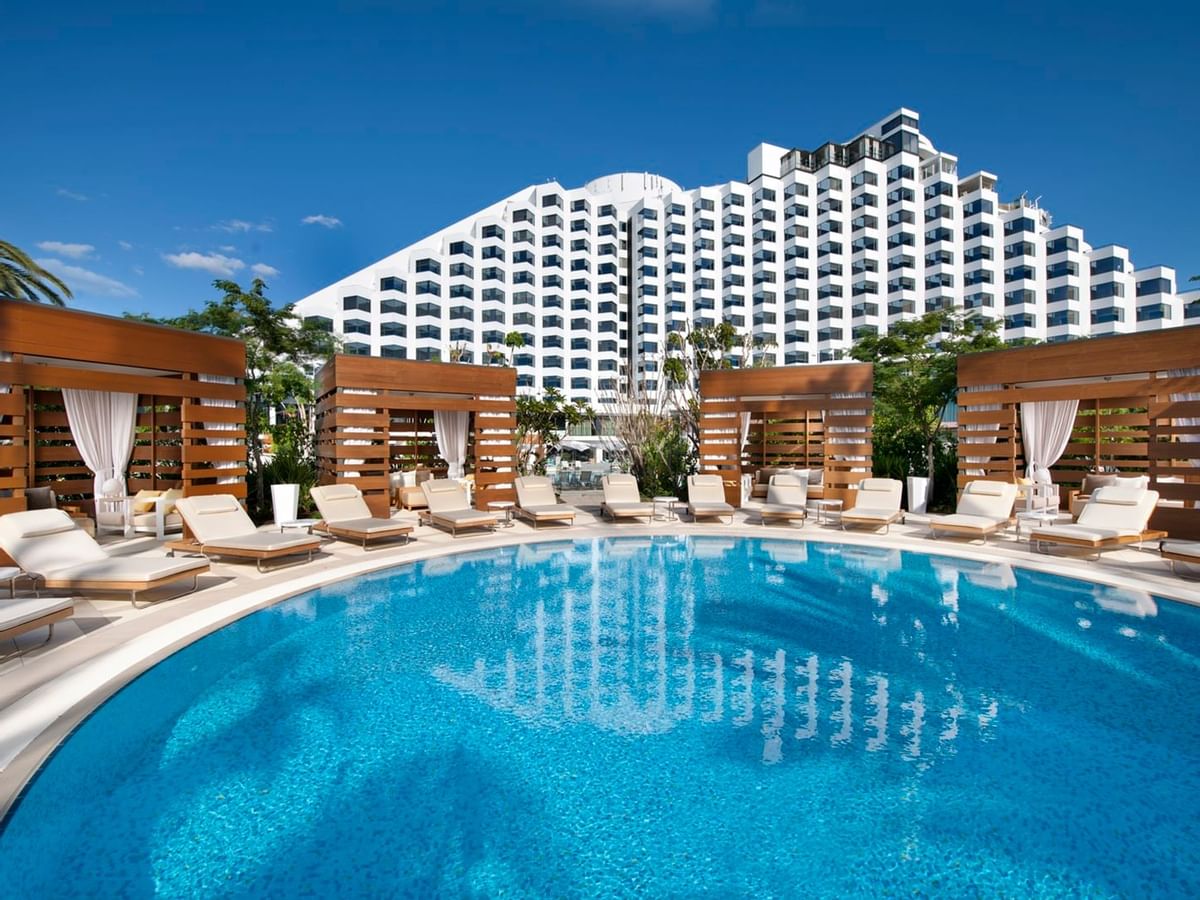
(351,534)
(259,556)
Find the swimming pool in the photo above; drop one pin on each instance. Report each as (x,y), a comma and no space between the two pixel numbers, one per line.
(660,716)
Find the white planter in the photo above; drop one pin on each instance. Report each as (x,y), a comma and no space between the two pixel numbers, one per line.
(285,502)
(918,494)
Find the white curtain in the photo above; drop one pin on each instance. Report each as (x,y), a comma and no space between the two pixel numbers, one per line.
(1185,397)
(744,431)
(102,424)
(450,429)
(965,430)
(1046,427)
(221,426)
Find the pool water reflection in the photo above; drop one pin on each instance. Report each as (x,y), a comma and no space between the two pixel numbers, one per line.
(665,716)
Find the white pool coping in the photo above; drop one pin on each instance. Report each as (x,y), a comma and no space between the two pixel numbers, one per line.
(35,723)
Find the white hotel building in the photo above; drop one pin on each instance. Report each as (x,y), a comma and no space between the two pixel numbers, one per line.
(814,248)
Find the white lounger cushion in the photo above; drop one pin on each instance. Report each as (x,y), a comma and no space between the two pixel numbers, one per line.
(14,613)
(555,511)
(42,540)
(370,526)
(622,497)
(1111,513)
(465,516)
(876,498)
(620,509)
(48,542)
(215,518)
(1183,548)
(342,507)
(1080,533)
(535,495)
(989,499)
(973,523)
(261,541)
(706,496)
(138,570)
(444,494)
(787,490)
(340,502)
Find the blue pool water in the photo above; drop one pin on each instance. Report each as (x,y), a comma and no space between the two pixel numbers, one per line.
(663,717)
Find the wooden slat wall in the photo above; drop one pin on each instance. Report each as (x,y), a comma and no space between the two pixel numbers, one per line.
(800,417)
(1126,418)
(47,346)
(375,415)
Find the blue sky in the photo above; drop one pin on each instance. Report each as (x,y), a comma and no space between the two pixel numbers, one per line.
(153,147)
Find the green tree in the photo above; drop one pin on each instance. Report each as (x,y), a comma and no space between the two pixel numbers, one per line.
(541,422)
(701,349)
(280,352)
(514,341)
(21,278)
(916,374)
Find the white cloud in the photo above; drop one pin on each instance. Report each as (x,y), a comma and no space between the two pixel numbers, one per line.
(214,263)
(71,195)
(81,280)
(323,221)
(73,251)
(125,245)
(264,271)
(227,248)
(241,226)
(138,270)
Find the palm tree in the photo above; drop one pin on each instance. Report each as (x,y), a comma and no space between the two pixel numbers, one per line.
(23,279)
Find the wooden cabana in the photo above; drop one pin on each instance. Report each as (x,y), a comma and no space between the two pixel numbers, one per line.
(376,416)
(1138,414)
(808,417)
(190,416)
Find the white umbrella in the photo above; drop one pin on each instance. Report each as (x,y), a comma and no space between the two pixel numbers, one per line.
(578,446)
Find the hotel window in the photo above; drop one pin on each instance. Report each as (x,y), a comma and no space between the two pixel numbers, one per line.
(552,200)
(464,291)
(429,332)
(522,215)
(391,283)
(355,349)
(356,326)
(393,329)
(360,304)
(461,248)
(492,231)
(391,351)
(461,335)
(320,323)
(429,265)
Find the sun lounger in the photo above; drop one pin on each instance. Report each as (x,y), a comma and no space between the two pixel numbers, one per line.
(876,504)
(220,527)
(48,543)
(623,499)
(448,507)
(345,514)
(787,499)
(706,498)
(537,503)
(984,508)
(1113,517)
(1187,552)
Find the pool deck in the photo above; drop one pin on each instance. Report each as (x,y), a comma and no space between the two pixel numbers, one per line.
(46,688)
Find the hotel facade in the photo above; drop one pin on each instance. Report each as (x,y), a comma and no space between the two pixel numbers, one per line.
(813,249)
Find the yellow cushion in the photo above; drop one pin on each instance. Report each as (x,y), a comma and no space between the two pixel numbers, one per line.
(172,495)
(143,501)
